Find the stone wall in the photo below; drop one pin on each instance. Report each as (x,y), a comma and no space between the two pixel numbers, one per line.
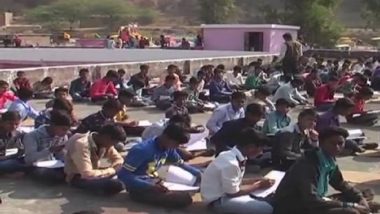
(63,75)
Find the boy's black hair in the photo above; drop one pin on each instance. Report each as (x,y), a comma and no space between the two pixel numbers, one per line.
(47,79)
(20,72)
(62,105)
(2,83)
(10,116)
(112,104)
(221,67)
(144,67)
(250,136)
(177,133)
(112,74)
(264,90)
(115,132)
(297,81)
(255,109)
(218,71)
(366,91)
(329,132)
(238,95)
(121,71)
(237,68)
(193,80)
(61,89)
(83,70)
(307,112)
(60,118)
(169,78)
(283,102)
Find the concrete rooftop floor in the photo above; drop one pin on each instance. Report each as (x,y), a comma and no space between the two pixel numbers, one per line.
(22,196)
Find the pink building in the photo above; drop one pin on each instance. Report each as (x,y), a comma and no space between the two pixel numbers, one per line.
(236,37)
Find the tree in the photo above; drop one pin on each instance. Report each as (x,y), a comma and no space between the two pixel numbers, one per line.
(315,17)
(217,11)
(371,13)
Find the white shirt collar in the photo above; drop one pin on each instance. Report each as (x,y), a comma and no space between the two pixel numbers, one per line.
(238,154)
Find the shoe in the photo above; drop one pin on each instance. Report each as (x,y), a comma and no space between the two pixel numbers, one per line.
(370,146)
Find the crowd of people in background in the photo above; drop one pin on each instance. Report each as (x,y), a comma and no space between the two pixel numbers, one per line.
(249,108)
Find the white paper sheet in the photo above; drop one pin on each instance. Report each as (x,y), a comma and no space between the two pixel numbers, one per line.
(25,129)
(144,123)
(274,175)
(197,137)
(210,105)
(52,164)
(356,134)
(196,146)
(180,187)
(2,111)
(10,152)
(178,175)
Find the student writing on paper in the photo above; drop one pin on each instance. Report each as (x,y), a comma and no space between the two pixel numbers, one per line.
(225,138)
(162,95)
(223,188)
(10,138)
(305,185)
(324,95)
(342,107)
(80,88)
(157,128)
(48,143)
(59,93)
(289,91)
(94,122)
(277,119)
(179,105)
(130,126)
(359,116)
(139,172)
(82,160)
(59,104)
(104,88)
(220,91)
(290,142)
(232,111)
(22,106)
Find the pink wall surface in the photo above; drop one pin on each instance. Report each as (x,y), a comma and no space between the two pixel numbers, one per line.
(233,38)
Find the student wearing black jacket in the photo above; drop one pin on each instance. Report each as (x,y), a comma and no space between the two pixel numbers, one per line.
(304,187)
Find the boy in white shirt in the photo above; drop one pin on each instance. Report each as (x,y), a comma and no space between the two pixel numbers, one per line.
(221,184)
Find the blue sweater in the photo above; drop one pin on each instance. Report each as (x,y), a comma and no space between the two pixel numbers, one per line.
(141,164)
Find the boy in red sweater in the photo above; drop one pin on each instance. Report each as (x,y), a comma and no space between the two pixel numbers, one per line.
(360,116)
(324,95)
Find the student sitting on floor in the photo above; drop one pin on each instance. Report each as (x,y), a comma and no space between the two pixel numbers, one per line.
(47,143)
(131,127)
(22,106)
(220,91)
(289,143)
(80,87)
(359,116)
(324,95)
(222,183)
(226,137)
(104,88)
(261,97)
(58,105)
(21,81)
(172,70)
(6,96)
(82,166)
(232,111)
(304,188)
(122,81)
(278,119)
(289,92)
(43,89)
(179,105)
(235,79)
(354,83)
(141,79)
(10,138)
(343,107)
(59,93)
(94,122)
(139,172)
(193,102)
(162,94)
(157,128)
(312,82)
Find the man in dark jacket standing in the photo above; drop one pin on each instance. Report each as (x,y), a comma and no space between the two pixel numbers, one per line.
(291,51)
(304,187)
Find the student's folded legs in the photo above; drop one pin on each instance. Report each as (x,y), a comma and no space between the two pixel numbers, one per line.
(167,200)
(13,165)
(363,119)
(242,204)
(48,176)
(102,186)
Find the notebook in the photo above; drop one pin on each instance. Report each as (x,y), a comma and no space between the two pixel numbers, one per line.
(51,164)
(356,134)
(10,152)
(144,123)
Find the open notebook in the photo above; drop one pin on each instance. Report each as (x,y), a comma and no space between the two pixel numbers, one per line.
(277,176)
(178,179)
